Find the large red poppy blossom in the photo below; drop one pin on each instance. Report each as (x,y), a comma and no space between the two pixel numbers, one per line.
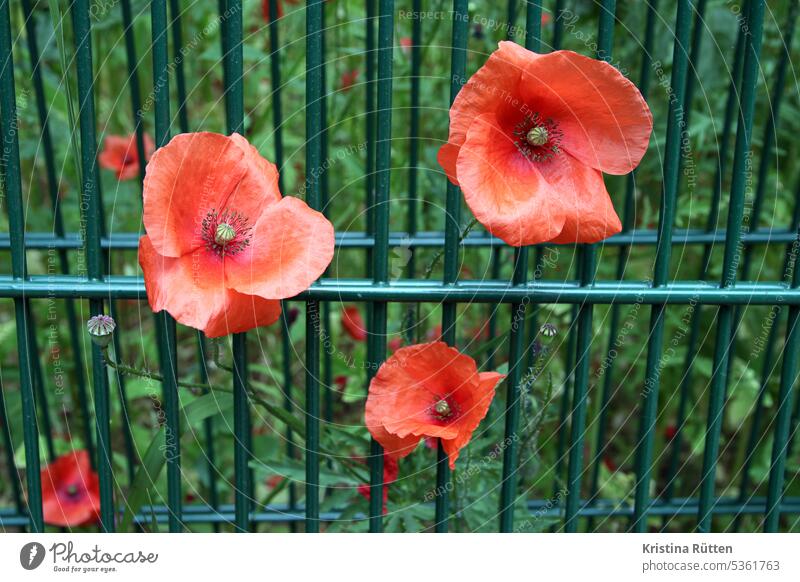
(353,323)
(222,246)
(428,390)
(120,155)
(530,138)
(390,472)
(70,491)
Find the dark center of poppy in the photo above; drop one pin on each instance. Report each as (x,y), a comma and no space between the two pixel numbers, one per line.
(226,232)
(72,490)
(537,138)
(442,409)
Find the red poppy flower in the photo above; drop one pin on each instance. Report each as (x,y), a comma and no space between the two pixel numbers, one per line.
(395,343)
(340,382)
(670,431)
(121,155)
(222,246)
(349,79)
(70,491)
(405,44)
(434,334)
(530,138)
(390,472)
(546,18)
(353,324)
(428,390)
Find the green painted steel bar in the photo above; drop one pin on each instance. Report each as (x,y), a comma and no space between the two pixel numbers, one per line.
(288,403)
(38,385)
(511,18)
(713,217)
(458,68)
(628,215)
(380,265)
(313,116)
(672,165)
(369,116)
(234,119)
(165,325)
(16,221)
(780,441)
(424,291)
(767,368)
(90,204)
(516,356)
(277,132)
(429,239)
(58,221)
(13,191)
(133,80)
(180,77)
(605,43)
(768,141)
(730,261)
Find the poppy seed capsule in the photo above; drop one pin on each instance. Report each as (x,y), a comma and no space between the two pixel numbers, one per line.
(101,328)
(224,234)
(537,136)
(442,408)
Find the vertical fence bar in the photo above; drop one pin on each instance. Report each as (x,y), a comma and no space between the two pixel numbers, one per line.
(133,79)
(8,445)
(413,135)
(234,120)
(458,71)
(91,202)
(584,332)
(601,443)
(516,356)
(277,125)
(58,222)
(180,77)
(13,191)
(313,198)
(165,325)
(780,441)
(669,192)
(711,225)
(719,375)
(380,266)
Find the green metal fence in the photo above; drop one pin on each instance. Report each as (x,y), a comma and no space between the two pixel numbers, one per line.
(740,200)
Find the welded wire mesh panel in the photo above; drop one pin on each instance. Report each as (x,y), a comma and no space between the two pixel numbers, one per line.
(649,377)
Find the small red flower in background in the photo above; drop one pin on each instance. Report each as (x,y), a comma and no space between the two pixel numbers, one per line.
(530,138)
(546,18)
(405,44)
(395,343)
(349,79)
(265,8)
(670,431)
(70,491)
(610,464)
(353,324)
(121,156)
(428,390)
(390,472)
(434,334)
(340,382)
(274,481)
(223,247)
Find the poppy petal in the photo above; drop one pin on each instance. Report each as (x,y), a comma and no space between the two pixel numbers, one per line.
(590,215)
(490,88)
(191,289)
(190,176)
(291,245)
(505,191)
(476,407)
(447,158)
(259,186)
(605,121)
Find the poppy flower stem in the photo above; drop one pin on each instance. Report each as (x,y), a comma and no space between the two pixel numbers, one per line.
(132,371)
(440,253)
